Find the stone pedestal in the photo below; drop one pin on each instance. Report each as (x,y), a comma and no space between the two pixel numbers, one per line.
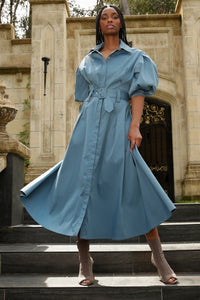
(191,186)
(11,181)
(12,154)
(190,12)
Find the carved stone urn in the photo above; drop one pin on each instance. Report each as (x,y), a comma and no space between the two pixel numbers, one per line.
(7,110)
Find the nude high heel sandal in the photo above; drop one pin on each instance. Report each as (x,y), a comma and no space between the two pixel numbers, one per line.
(86,276)
(159,261)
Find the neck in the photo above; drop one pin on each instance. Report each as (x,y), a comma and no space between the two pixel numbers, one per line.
(111,42)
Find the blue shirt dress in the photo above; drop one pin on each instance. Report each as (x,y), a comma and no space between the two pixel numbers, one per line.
(101,188)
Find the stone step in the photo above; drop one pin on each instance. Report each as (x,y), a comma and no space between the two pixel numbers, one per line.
(106,287)
(187,212)
(169,232)
(109,258)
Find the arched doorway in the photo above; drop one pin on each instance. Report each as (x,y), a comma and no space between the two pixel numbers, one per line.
(156,147)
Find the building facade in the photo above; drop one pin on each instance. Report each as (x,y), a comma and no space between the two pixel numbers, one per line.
(171,120)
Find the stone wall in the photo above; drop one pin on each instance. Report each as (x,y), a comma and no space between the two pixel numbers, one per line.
(15,66)
(190,12)
(171,40)
(159,37)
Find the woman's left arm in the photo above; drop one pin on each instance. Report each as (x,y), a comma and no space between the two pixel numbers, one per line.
(134,134)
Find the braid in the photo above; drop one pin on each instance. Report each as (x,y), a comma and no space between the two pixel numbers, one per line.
(122,32)
(99,35)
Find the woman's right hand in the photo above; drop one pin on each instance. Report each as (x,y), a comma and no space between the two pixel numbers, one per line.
(134,136)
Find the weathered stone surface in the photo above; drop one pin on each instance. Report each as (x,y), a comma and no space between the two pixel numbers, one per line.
(11,181)
(169,232)
(23,287)
(116,258)
(112,262)
(171,40)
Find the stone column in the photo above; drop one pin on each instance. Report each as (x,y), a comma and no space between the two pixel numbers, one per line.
(12,154)
(190,12)
(48,113)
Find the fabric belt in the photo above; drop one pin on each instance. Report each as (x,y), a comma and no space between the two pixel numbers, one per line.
(109,96)
(103,93)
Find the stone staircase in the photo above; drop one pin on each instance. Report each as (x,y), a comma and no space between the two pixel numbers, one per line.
(39,264)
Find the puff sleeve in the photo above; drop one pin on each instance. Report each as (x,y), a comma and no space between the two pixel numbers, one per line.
(81,87)
(145,77)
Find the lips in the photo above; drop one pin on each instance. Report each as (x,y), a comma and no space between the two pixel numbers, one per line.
(110,26)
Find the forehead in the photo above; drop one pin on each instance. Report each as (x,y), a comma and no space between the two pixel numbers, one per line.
(109,10)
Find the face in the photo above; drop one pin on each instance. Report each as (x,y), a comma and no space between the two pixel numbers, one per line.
(110,21)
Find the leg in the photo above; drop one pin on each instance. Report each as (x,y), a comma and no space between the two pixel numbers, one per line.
(153,234)
(158,258)
(86,276)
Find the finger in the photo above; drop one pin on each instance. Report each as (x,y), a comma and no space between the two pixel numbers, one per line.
(132,146)
(138,142)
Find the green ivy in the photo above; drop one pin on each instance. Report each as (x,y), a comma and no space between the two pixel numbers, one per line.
(24,135)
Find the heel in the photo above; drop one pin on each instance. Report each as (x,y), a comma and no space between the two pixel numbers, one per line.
(158,259)
(86,276)
(165,277)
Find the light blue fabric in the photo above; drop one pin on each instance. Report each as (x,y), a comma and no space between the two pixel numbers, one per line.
(100,187)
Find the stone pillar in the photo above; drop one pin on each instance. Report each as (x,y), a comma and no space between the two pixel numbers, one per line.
(12,154)
(190,12)
(48,113)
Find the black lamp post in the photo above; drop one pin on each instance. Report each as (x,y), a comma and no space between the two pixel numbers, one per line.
(46,62)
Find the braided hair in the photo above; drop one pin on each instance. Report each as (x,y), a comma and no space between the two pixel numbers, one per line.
(122,32)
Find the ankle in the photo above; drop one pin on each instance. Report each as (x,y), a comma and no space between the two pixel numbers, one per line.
(83,247)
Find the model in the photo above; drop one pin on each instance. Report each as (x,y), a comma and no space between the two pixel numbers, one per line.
(103,189)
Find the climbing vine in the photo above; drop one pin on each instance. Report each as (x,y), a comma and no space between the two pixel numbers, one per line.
(24,135)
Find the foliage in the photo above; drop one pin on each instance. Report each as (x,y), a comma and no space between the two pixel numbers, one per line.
(24,135)
(8,10)
(188,201)
(139,7)
(17,13)
(76,10)
(25,25)
(136,7)
(152,6)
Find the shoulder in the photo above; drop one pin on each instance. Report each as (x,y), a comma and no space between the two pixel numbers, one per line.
(136,52)
(140,54)
(83,63)
(87,57)
(138,58)
(142,57)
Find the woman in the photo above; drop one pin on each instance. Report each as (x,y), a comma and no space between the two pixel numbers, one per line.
(103,188)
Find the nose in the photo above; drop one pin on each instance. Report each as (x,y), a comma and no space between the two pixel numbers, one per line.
(109,19)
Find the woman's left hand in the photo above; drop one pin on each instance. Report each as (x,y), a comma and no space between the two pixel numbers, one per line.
(134,136)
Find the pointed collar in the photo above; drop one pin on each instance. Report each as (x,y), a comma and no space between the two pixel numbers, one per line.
(121,46)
